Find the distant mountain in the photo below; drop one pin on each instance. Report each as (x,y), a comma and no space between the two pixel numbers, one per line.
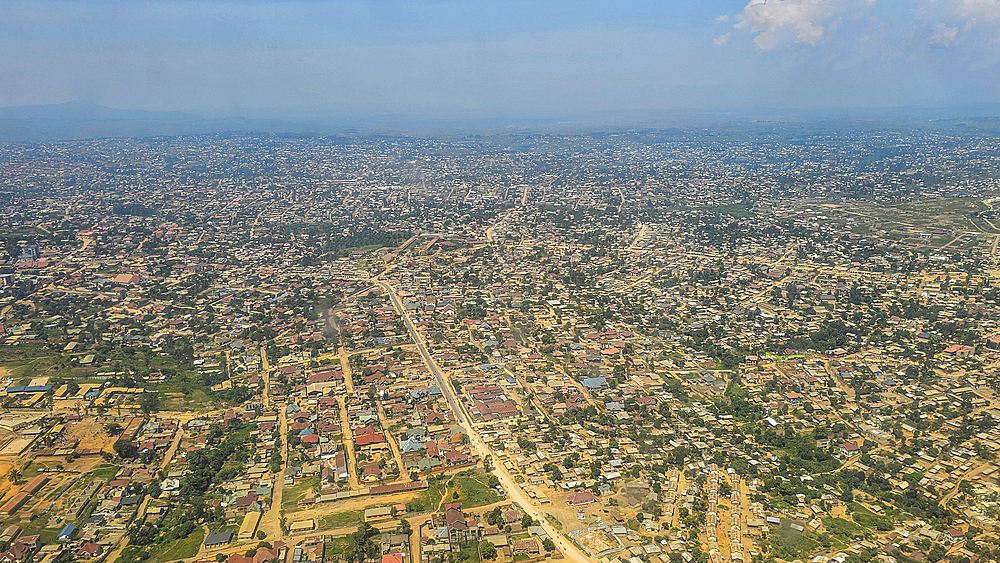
(82,110)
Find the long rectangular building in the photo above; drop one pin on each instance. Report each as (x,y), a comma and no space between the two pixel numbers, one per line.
(132,430)
(249,527)
(35,484)
(15,502)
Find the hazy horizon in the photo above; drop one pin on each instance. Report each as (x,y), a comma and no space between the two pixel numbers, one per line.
(456,60)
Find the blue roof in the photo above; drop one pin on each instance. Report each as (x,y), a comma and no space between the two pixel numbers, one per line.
(408,446)
(67,531)
(29,389)
(594,382)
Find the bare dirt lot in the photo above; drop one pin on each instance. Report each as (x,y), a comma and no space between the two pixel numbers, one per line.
(91,434)
(596,541)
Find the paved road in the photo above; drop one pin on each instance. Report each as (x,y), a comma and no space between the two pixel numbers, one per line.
(514,492)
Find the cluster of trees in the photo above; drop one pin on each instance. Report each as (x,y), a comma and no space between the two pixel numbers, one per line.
(237,395)
(364,544)
(833,334)
(228,449)
(337,245)
(145,540)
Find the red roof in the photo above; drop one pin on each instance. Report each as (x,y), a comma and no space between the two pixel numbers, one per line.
(367,439)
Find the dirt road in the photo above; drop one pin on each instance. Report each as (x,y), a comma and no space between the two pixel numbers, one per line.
(475,440)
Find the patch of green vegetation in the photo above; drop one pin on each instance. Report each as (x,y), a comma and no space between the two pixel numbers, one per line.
(24,367)
(869,520)
(104,471)
(337,548)
(181,548)
(473,490)
(468,554)
(430,498)
(554,521)
(291,496)
(25,351)
(841,529)
(45,535)
(732,209)
(194,400)
(341,519)
(789,544)
(131,554)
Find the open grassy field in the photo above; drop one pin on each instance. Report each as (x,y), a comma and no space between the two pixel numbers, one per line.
(292,495)
(956,224)
(842,531)
(789,544)
(428,499)
(337,548)
(104,471)
(176,401)
(46,535)
(180,549)
(341,519)
(27,360)
(473,490)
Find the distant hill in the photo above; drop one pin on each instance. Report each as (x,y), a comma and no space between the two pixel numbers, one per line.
(82,110)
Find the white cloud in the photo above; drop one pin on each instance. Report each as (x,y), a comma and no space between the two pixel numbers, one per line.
(801,18)
(986,9)
(722,18)
(944,34)
(722,39)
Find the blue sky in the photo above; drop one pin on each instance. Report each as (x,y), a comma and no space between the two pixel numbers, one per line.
(481,58)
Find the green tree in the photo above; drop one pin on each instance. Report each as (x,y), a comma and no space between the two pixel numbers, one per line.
(125,449)
(488,551)
(936,553)
(495,517)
